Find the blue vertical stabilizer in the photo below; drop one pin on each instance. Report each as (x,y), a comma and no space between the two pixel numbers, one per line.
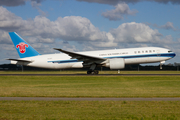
(22,47)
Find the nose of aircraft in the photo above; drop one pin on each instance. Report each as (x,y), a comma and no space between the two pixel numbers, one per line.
(174,54)
(171,53)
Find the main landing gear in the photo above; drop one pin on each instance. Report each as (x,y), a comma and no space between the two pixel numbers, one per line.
(92,71)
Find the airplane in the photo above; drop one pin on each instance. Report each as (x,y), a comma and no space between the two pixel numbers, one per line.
(113,59)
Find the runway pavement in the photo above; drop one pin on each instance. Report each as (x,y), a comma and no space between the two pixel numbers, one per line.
(85,99)
(89,75)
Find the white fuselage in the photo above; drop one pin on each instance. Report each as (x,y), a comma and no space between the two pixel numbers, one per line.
(131,56)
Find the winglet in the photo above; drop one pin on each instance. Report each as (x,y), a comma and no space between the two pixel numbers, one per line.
(22,47)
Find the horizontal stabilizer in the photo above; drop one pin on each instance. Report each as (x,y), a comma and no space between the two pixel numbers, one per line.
(19,60)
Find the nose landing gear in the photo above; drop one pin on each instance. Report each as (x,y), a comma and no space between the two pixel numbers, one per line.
(161,63)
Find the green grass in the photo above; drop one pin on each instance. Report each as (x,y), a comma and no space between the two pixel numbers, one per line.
(90,86)
(52,110)
(93,86)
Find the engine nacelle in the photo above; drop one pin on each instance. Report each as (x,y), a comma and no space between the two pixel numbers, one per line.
(116,63)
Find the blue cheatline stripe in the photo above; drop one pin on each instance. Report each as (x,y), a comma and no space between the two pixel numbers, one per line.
(125,57)
(141,56)
(64,61)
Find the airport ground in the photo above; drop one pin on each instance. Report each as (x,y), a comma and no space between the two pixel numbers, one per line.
(91,87)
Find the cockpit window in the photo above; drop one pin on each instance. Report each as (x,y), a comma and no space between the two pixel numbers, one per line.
(169,51)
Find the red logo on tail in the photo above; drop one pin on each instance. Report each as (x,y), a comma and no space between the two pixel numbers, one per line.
(22,47)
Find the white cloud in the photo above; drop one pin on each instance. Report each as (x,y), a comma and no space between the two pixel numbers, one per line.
(119,12)
(167,40)
(9,20)
(37,4)
(168,26)
(135,32)
(68,28)
(76,28)
(4,38)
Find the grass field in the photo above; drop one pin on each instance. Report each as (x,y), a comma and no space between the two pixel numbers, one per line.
(90,86)
(55,110)
(93,86)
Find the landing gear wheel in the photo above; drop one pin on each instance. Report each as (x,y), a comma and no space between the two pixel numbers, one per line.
(89,72)
(94,72)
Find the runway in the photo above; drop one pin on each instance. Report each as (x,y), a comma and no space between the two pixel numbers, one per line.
(89,75)
(85,99)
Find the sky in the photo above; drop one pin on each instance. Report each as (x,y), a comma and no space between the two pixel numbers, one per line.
(85,25)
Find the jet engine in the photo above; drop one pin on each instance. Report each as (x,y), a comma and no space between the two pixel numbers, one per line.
(116,63)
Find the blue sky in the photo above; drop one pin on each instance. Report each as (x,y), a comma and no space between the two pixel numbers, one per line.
(79,25)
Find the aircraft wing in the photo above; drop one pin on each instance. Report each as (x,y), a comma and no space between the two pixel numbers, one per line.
(20,60)
(81,57)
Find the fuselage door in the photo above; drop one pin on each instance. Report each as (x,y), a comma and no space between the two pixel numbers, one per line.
(158,53)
